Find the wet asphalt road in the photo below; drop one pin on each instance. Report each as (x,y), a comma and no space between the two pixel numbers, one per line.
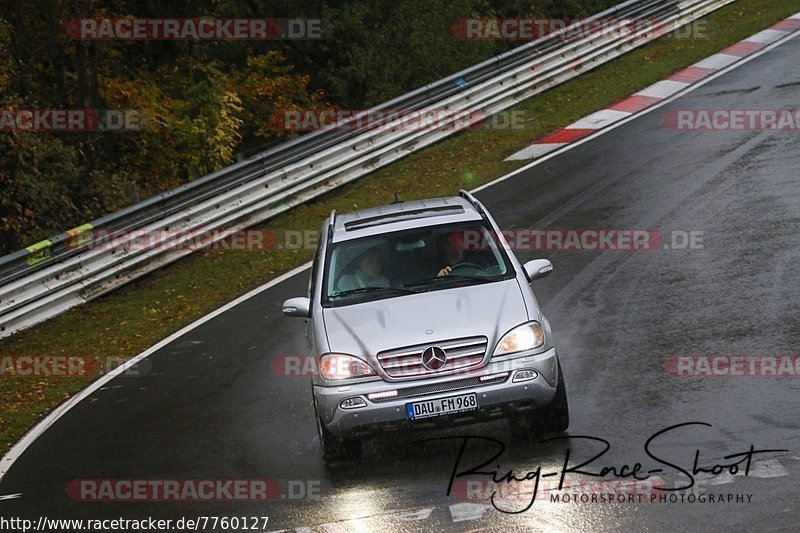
(211,407)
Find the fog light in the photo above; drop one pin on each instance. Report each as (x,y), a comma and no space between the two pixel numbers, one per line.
(352,403)
(525,375)
(382,395)
(492,377)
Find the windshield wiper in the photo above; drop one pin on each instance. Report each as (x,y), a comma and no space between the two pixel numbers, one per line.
(452,277)
(362,290)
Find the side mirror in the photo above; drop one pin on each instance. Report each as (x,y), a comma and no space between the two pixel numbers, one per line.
(537,269)
(300,306)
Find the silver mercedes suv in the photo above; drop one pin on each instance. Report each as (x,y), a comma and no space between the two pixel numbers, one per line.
(418,313)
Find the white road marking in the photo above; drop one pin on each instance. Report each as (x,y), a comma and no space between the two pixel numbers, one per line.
(11,496)
(535,150)
(422,514)
(708,479)
(768,468)
(599,119)
(718,61)
(768,36)
(664,88)
(461,512)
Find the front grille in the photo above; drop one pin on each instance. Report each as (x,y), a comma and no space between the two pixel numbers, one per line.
(407,362)
(442,387)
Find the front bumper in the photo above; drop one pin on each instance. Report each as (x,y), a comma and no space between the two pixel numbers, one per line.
(497,397)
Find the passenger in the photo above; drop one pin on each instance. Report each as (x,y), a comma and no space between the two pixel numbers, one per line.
(368,273)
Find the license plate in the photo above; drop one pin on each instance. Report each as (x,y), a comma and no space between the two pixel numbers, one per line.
(442,406)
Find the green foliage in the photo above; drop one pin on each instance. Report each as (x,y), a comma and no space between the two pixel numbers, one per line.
(571,8)
(201,103)
(380,50)
(268,85)
(40,180)
(203,116)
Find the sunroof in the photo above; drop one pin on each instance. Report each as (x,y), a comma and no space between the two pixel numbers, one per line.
(404,215)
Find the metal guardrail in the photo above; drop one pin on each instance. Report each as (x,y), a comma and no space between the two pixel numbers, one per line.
(50,277)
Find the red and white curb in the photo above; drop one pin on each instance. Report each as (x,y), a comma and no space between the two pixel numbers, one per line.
(658,92)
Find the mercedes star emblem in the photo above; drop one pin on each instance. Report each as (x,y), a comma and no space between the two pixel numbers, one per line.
(434,358)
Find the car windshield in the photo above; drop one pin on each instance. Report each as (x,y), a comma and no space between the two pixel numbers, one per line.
(412,261)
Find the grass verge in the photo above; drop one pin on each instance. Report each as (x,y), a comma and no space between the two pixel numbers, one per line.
(137,316)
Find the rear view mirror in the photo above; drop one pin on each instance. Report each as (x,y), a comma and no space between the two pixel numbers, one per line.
(537,269)
(300,307)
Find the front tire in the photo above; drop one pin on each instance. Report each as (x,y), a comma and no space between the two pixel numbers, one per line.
(333,447)
(556,415)
(553,418)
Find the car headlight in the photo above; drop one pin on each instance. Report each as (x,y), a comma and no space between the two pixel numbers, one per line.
(336,366)
(521,338)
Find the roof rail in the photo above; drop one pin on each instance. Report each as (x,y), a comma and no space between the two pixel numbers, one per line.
(471,199)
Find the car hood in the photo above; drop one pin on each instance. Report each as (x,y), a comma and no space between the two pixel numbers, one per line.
(368,328)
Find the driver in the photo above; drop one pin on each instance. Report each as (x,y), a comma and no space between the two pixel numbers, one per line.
(451,251)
